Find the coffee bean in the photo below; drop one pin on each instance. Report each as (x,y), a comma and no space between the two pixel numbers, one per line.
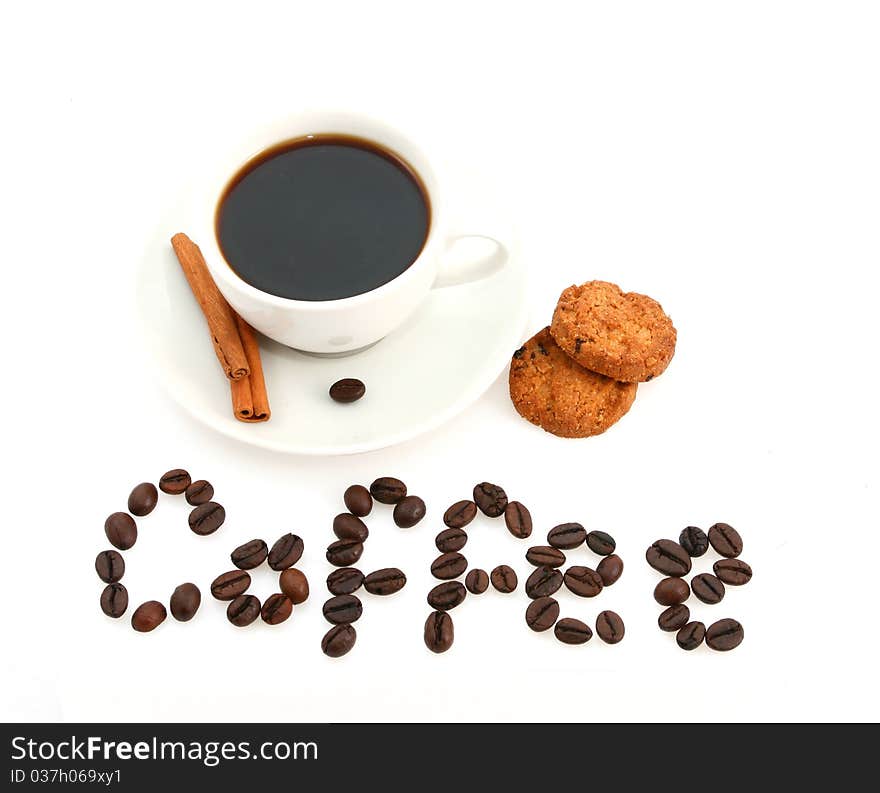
(409,511)
(199,492)
(110,566)
(114,600)
(671,591)
(185,602)
(345,581)
(545,556)
(491,499)
(286,552)
(276,609)
(294,584)
(250,555)
(707,588)
(725,635)
(669,558)
(610,569)
(207,518)
(229,586)
(725,540)
(344,553)
(148,616)
(121,530)
(350,527)
(583,581)
(609,627)
(174,482)
(504,579)
(460,514)
(343,609)
(386,581)
(451,540)
(476,581)
(358,500)
(518,520)
(674,618)
(541,614)
(143,499)
(347,390)
(439,632)
(448,565)
(387,490)
(242,611)
(733,571)
(567,536)
(694,540)
(446,596)
(338,640)
(542,582)
(601,543)
(691,636)
(572,631)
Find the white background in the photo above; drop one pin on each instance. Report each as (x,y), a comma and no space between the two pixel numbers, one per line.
(722,157)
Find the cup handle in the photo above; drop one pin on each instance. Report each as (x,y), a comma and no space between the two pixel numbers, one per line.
(454,271)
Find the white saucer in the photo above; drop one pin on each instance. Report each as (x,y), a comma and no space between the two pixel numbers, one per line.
(421,375)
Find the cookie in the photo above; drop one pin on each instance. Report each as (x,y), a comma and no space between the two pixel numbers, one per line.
(551,390)
(623,335)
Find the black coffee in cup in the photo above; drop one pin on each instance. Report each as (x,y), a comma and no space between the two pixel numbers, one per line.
(322,217)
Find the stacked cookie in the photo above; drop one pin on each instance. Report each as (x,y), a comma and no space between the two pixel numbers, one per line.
(579,376)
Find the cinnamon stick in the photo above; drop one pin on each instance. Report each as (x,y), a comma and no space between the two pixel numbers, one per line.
(225,334)
(250,401)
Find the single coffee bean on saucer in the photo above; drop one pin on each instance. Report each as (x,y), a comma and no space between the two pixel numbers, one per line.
(448,565)
(610,569)
(350,527)
(567,536)
(518,520)
(543,582)
(491,499)
(110,566)
(583,581)
(601,543)
(694,540)
(460,514)
(691,636)
(148,616)
(185,602)
(724,635)
(286,552)
(349,389)
(451,540)
(409,511)
(386,581)
(294,584)
(207,518)
(175,482)
(114,600)
(250,554)
(242,611)
(707,588)
(199,492)
(476,581)
(439,632)
(671,591)
(387,490)
(609,627)
(358,500)
(725,540)
(338,640)
(504,579)
(733,571)
(545,556)
(276,609)
(121,530)
(344,553)
(669,558)
(446,596)
(228,586)
(345,581)
(571,631)
(674,618)
(143,499)
(542,613)
(343,609)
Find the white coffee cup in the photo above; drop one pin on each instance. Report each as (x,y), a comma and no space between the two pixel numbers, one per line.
(351,323)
